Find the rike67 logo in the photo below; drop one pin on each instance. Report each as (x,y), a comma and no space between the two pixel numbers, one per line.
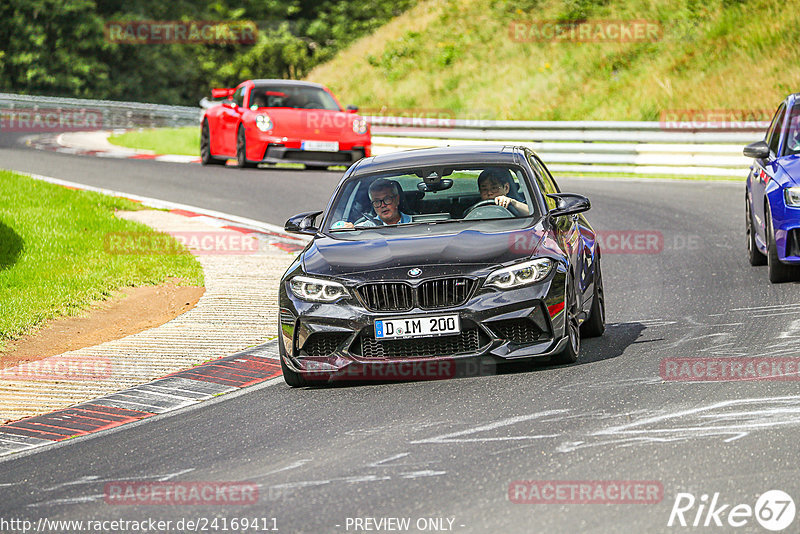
(774,510)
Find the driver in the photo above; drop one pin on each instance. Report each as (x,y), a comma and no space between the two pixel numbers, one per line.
(495,184)
(385,198)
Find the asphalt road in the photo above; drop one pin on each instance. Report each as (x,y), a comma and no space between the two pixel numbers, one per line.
(451,449)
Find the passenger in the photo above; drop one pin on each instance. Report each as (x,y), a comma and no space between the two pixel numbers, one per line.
(496,184)
(385,197)
(259,101)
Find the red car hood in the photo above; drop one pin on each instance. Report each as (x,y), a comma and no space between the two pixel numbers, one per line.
(310,123)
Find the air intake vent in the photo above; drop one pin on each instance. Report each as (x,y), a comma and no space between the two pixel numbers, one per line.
(470,340)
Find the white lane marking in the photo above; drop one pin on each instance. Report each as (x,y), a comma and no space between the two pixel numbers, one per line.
(380,463)
(293,465)
(68,500)
(770,307)
(455,437)
(421,474)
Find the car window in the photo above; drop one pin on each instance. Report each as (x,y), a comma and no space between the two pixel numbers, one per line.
(793,132)
(238,96)
(546,183)
(774,133)
(292,96)
(401,197)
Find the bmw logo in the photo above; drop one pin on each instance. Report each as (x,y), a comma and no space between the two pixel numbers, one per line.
(416,271)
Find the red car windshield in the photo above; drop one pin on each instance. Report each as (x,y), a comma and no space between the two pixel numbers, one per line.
(292,96)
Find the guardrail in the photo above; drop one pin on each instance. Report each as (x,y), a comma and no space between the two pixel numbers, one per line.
(637,147)
(36,114)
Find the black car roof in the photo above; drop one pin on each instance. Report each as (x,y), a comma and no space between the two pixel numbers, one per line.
(457,155)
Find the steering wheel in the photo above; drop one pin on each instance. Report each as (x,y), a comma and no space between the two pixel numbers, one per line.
(499,211)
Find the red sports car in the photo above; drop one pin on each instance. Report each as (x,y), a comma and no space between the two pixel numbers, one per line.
(282,121)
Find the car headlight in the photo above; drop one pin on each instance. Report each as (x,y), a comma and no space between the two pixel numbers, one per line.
(791,195)
(316,289)
(360,126)
(520,274)
(264,123)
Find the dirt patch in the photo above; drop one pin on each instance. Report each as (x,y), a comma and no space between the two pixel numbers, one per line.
(129,311)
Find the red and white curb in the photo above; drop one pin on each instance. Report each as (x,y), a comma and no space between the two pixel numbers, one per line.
(54,143)
(271,234)
(167,394)
(174,391)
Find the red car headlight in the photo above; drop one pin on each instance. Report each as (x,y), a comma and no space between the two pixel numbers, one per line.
(264,123)
(360,126)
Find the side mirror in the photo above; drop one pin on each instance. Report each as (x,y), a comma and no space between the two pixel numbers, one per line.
(352,109)
(757,150)
(568,204)
(303,223)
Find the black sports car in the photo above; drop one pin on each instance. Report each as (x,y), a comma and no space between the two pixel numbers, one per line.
(428,257)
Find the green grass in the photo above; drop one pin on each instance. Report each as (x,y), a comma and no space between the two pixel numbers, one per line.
(53,257)
(183,141)
(458,56)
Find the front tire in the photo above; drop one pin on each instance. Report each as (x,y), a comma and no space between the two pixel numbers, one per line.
(572,329)
(778,271)
(595,325)
(241,150)
(753,254)
(205,147)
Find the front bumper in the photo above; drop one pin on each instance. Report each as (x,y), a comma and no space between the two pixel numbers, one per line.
(278,153)
(329,341)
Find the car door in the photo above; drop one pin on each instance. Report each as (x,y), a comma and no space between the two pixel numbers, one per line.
(230,117)
(570,232)
(763,170)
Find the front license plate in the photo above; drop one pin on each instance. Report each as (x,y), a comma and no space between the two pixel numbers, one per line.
(440,325)
(321,146)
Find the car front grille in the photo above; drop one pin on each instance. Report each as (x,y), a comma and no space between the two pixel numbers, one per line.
(324,343)
(401,296)
(517,330)
(444,293)
(468,341)
(391,296)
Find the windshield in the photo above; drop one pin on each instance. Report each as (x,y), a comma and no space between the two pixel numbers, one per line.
(291,96)
(793,137)
(432,195)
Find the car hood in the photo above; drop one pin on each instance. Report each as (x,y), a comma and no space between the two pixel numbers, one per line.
(791,164)
(467,250)
(315,121)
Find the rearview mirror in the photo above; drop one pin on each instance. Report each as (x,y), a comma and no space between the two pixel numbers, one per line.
(352,109)
(303,223)
(568,204)
(757,150)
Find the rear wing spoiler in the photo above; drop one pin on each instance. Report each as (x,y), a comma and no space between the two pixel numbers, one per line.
(222,92)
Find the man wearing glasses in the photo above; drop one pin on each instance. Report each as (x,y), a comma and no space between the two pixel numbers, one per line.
(385,197)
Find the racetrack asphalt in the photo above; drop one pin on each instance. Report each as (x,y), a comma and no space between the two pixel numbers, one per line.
(451,449)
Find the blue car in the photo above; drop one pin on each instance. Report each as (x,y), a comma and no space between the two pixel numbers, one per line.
(772,199)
